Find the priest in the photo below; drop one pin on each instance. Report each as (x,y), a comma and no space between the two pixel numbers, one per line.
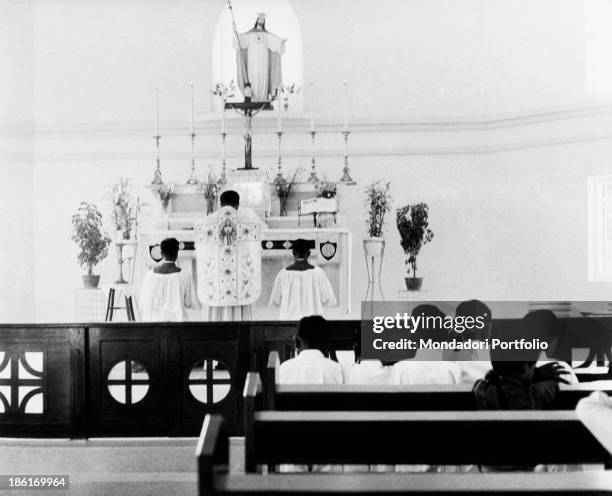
(228,254)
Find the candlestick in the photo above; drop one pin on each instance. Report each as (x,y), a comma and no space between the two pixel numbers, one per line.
(345,111)
(193,179)
(279,114)
(192,111)
(223,177)
(156,112)
(157,179)
(313,178)
(346,172)
(279,134)
(222,114)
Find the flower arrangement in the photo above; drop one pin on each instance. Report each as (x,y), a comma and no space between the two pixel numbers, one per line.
(224,91)
(125,211)
(164,193)
(88,234)
(326,189)
(413,226)
(210,191)
(285,189)
(285,91)
(378,202)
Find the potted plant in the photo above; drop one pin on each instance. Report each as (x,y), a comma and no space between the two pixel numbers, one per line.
(164,193)
(92,240)
(326,189)
(413,227)
(378,203)
(125,213)
(285,189)
(210,192)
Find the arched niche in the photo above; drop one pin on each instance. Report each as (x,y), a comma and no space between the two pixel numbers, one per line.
(281,20)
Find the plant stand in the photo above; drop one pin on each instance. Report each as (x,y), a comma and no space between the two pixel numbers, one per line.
(374,255)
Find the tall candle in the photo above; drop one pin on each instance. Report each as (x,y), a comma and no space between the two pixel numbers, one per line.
(156,112)
(345,105)
(312,124)
(192,111)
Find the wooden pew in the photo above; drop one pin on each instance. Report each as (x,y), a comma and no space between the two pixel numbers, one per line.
(392,437)
(388,398)
(214,479)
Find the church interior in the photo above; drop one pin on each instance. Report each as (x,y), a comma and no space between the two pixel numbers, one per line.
(474,134)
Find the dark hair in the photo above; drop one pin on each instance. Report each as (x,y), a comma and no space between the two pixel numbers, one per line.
(169,248)
(263,24)
(314,332)
(300,248)
(474,309)
(543,325)
(229,198)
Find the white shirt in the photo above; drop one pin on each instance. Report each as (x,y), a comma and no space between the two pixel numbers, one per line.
(301,293)
(410,372)
(473,364)
(369,372)
(310,367)
(166,297)
(595,412)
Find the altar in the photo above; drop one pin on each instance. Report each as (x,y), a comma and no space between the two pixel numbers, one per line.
(330,246)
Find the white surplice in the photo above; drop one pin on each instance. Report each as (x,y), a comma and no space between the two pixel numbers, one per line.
(166,297)
(302,293)
(310,367)
(369,372)
(412,372)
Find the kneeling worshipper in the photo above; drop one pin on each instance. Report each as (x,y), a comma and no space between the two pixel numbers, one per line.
(301,289)
(416,368)
(476,362)
(167,291)
(311,365)
(228,255)
(366,371)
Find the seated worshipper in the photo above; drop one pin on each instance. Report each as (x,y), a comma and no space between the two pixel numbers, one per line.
(473,363)
(595,412)
(167,291)
(311,365)
(415,369)
(544,325)
(366,371)
(301,289)
(228,253)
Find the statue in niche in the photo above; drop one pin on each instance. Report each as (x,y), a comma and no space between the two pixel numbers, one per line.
(258,55)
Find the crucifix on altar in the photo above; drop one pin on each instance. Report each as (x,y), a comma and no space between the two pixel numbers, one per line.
(259,74)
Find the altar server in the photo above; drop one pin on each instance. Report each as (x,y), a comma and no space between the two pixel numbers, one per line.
(167,291)
(311,365)
(301,289)
(228,253)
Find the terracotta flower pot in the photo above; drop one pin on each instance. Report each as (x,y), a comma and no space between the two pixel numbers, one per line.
(414,283)
(90,281)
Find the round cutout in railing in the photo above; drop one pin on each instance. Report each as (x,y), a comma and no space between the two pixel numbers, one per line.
(128,382)
(209,381)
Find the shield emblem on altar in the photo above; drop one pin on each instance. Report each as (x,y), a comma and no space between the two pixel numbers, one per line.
(328,250)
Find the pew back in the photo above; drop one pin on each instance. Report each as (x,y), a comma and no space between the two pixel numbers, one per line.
(327,397)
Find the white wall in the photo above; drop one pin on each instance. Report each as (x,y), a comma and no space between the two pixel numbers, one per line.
(480,108)
(16,169)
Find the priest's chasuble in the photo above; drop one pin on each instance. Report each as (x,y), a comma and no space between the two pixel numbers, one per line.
(228,257)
